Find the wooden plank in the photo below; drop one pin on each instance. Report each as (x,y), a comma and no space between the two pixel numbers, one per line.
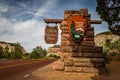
(95,21)
(60,20)
(53,20)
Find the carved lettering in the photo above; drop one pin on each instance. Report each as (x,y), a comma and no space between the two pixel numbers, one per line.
(51,34)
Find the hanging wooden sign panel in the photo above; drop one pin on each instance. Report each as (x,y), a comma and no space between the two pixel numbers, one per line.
(51,34)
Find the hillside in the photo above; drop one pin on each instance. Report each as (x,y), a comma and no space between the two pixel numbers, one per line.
(10,46)
(111,46)
(101,38)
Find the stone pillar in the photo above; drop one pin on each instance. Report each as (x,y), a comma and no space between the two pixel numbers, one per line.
(83,56)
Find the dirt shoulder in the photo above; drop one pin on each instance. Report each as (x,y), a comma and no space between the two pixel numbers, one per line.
(113,73)
(47,73)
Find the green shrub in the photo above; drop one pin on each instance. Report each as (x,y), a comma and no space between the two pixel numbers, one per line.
(53,56)
(38,53)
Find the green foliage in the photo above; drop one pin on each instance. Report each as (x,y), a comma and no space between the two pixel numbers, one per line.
(1,52)
(6,53)
(38,53)
(109,11)
(117,44)
(111,46)
(17,52)
(108,44)
(54,56)
(26,56)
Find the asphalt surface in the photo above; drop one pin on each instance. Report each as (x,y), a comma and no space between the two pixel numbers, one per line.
(20,69)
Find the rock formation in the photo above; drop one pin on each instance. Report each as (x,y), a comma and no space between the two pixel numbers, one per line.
(10,46)
(100,39)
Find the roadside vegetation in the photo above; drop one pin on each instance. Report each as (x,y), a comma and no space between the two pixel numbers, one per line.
(109,11)
(17,53)
(112,50)
(38,53)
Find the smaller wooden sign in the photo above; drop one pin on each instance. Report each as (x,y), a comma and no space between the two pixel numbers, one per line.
(51,34)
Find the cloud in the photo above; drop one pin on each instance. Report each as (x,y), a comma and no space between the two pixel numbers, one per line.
(3,26)
(48,5)
(3,8)
(29,33)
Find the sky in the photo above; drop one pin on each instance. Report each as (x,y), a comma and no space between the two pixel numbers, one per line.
(22,20)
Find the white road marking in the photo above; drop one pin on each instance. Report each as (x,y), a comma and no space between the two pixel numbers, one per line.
(27,75)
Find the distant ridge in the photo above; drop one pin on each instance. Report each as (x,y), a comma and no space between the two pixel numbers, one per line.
(105,33)
(10,46)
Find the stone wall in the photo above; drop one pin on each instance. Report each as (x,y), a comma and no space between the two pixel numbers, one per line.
(53,51)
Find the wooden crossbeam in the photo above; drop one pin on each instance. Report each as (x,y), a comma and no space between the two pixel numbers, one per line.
(60,20)
(53,20)
(95,21)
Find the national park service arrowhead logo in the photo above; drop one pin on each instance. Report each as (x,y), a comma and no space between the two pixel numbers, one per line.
(77,26)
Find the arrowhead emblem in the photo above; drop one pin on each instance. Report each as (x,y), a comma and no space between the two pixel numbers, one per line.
(77,26)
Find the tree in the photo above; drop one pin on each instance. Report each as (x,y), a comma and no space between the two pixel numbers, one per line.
(17,52)
(1,52)
(38,52)
(26,56)
(6,53)
(116,44)
(108,45)
(11,53)
(109,11)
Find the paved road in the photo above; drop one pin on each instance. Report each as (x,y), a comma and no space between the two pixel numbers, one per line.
(19,69)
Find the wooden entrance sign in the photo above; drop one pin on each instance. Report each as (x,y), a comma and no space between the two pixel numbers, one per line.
(75,22)
(51,34)
(77,43)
